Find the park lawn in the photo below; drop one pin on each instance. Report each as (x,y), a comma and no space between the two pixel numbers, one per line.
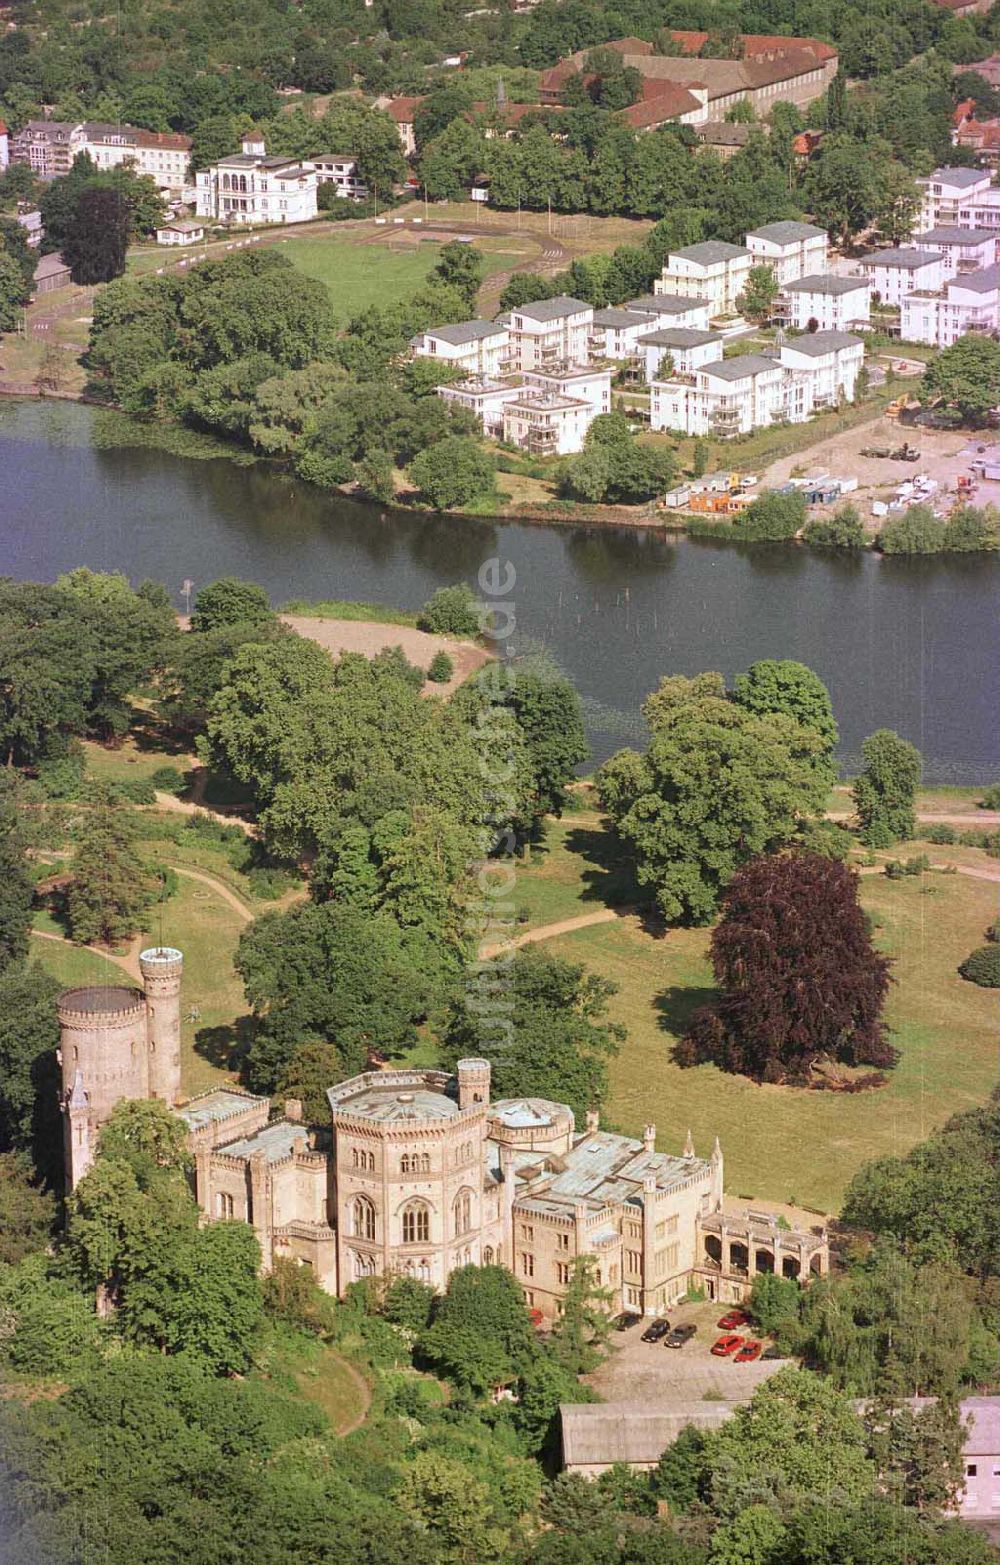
(570,873)
(206,929)
(73,965)
(780,1143)
(131,761)
(360,273)
(320,1374)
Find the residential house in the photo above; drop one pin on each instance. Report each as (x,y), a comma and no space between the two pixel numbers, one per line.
(549,332)
(980,1497)
(689,347)
(724,398)
(734,396)
(966,303)
(182,231)
(544,423)
(963,7)
(962,249)
(724,137)
(590,384)
(164,156)
(714,271)
(479,348)
(341,171)
(791,249)
(671,309)
(979,136)
(615,332)
(51,273)
(4,146)
(833,303)
(826,365)
(48,147)
(483,397)
(403,111)
(250,187)
(945,192)
(893,273)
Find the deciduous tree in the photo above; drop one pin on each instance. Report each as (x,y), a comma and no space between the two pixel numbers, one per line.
(886,790)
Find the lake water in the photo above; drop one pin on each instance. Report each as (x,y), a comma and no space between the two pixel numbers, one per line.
(907,644)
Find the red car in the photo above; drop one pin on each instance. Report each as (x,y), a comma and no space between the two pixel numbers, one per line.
(732,1319)
(727,1345)
(750,1350)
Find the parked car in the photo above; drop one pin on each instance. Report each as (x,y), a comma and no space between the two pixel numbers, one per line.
(727,1344)
(773,1352)
(732,1319)
(750,1350)
(655,1330)
(623,1322)
(679,1335)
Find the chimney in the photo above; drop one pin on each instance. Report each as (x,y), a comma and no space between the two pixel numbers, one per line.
(649,1138)
(593,1119)
(688,1146)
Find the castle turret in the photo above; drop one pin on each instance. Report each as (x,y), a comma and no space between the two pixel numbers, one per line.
(717,1175)
(473,1083)
(104,1058)
(161,968)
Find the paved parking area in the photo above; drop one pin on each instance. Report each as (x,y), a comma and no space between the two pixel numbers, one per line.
(637,1371)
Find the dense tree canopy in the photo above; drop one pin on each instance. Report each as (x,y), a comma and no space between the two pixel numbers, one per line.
(718,784)
(885,791)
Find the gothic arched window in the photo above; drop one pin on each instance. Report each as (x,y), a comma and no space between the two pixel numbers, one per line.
(462,1212)
(363,1218)
(416,1223)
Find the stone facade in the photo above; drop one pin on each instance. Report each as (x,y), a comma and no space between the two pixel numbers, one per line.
(421,1173)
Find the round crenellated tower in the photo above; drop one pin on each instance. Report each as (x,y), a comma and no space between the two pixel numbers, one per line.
(162,968)
(473,1082)
(104,1058)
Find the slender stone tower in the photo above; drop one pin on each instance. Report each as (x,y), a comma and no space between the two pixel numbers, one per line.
(161,968)
(473,1083)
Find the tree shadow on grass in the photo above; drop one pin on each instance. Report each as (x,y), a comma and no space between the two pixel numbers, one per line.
(225,1046)
(609,873)
(675,1007)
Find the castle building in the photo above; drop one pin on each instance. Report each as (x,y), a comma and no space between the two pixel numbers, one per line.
(421,1172)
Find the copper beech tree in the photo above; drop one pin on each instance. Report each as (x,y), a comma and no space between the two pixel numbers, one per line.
(799,975)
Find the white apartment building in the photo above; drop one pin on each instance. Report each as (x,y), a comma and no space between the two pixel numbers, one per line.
(163,155)
(480,348)
(577,381)
(48,147)
(791,249)
(727,397)
(250,187)
(485,398)
(970,303)
(946,192)
(546,424)
(688,346)
(671,309)
(616,332)
(734,396)
(713,271)
(894,273)
(962,249)
(981,210)
(340,170)
(549,332)
(825,365)
(834,303)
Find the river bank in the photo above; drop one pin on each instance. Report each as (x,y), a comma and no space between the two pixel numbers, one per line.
(900,642)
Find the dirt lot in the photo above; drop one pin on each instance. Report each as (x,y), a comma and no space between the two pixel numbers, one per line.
(345,635)
(648,1372)
(943,456)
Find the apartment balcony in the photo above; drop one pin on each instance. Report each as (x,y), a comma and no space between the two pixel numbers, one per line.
(542,441)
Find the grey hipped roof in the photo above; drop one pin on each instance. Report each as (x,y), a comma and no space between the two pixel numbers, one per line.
(709,253)
(595,1434)
(960,178)
(902,256)
(825,282)
(819,342)
(679,337)
(666,304)
(739,368)
(983,281)
(552,309)
(466,331)
(616,317)
(787,233)
(951,234)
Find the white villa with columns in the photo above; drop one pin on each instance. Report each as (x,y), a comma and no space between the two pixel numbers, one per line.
(419,1172)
